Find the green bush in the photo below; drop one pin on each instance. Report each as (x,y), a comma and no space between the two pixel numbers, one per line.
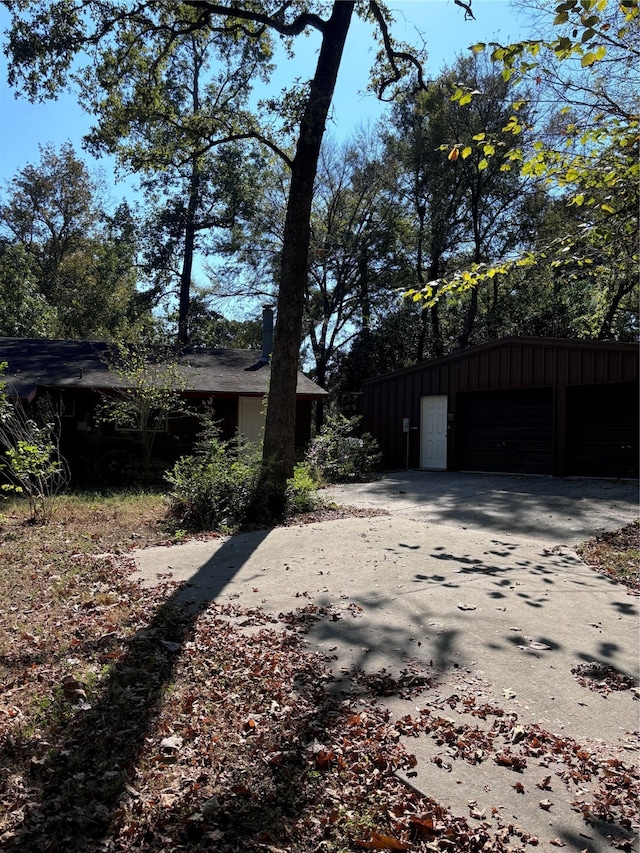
(339,455)
(217,487)
(212,489)
(302,490)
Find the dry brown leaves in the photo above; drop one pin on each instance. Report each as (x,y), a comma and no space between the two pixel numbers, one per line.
(616,555)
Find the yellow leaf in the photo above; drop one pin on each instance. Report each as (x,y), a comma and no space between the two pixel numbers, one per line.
(488,150)
(453,155)
(588,59)
(466,151)
(607,208)
(483,164)
(479,137)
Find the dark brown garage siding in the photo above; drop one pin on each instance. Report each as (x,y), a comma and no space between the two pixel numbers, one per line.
(511,364)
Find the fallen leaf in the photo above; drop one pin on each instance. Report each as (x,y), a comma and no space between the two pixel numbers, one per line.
(424,826)
(546,804)
(383,842)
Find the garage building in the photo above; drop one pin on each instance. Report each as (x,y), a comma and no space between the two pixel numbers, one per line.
(515,405)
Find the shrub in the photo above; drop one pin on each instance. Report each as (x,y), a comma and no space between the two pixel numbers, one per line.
(30,457)
(302,490)
(218,487)
(338,455)
(212,490)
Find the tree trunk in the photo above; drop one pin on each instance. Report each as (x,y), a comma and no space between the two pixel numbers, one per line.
(472,310)
(195,184)
(279,436)
(623,288)
(187,260)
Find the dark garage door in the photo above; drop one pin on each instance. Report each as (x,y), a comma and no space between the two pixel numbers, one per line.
(508,431)
(602,430)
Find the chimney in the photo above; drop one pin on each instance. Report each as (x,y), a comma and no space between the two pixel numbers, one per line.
(267,332)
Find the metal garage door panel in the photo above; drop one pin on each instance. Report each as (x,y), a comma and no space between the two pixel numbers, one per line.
(505,431)
(602,430)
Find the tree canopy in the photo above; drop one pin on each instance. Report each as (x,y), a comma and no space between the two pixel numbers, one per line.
(68,266)
(586,155)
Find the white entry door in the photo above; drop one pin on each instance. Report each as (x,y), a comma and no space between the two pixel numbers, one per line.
(251,418)
(433,432)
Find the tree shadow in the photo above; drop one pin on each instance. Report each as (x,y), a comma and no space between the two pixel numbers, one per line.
(80,781)
(77,787)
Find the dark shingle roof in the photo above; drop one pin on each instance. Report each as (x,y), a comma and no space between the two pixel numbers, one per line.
(34,362)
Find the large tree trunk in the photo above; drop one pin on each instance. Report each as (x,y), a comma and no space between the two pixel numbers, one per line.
(195,185)
(279,436)
(187,260)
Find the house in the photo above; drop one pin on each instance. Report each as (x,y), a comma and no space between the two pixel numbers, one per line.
(519,404)
(77,374)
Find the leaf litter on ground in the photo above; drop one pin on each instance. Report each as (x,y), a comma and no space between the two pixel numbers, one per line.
(129,724)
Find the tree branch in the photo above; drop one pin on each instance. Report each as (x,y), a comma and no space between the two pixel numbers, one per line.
(468,14)
(394,55)
(298,25)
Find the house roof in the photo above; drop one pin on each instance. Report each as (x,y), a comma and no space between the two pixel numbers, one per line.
(43,363)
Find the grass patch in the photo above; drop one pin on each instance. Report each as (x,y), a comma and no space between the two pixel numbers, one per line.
(616,554)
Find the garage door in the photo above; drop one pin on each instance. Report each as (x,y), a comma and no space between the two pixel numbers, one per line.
(602,430)
(505,431)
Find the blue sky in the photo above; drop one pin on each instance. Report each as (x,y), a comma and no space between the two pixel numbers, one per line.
(24,126)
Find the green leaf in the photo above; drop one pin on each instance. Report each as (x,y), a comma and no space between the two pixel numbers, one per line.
(561,18)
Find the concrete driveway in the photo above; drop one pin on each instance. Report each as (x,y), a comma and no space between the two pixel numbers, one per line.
(556,511)
(472,580)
